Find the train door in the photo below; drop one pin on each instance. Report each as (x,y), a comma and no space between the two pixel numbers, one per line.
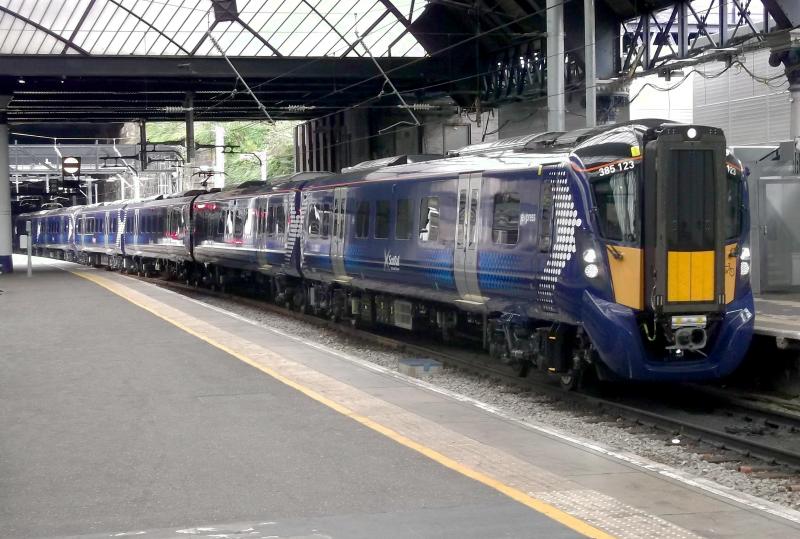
(465,258)
(779,221)
(339,231)
(136,226)
(106,228)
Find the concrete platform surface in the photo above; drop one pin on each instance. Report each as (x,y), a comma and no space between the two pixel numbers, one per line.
(127,408)
(778,315)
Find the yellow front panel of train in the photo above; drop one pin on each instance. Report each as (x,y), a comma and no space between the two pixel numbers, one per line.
(627,275)
(690,276)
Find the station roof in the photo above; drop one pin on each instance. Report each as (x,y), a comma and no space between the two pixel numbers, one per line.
(123,60)
(251,28)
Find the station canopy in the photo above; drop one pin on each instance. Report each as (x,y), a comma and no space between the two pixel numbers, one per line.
(253,28)
(122,60)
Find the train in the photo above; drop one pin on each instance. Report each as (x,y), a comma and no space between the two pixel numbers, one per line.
(620,251)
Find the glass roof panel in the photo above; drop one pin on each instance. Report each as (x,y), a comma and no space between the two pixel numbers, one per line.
(178,27)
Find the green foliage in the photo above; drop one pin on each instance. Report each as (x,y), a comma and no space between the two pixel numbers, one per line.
(250,137)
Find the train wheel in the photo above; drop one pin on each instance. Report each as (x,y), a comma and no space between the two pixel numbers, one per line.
(570,381)
(523,368)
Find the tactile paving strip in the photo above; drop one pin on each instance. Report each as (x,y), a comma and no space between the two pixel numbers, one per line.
(613,516)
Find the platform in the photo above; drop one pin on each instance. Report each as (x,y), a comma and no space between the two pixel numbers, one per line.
(778,315)
(128,408)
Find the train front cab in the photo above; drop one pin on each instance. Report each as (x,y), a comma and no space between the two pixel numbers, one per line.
(682,306)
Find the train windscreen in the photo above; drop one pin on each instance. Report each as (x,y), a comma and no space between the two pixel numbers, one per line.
(617,200)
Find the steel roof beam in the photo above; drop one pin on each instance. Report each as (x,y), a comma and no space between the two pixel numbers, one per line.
(47,31)
(182,67)
(258,36)
(365,34)
(391,8)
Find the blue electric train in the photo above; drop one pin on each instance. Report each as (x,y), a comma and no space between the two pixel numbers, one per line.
(621,249)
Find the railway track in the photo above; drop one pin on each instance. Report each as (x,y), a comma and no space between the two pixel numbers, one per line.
(735,426)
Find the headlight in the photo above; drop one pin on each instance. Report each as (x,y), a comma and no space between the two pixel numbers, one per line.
(745,255)
(590,256)
(744,269)
(591,271)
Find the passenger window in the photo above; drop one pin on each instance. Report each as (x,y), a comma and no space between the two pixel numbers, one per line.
(326,220)
(335,217)
(462,212)
(545,216)
(271,220)
(280,219)
(362,219)
(221,222)
(473,217)
(402,227)
(505,223)
(261,220)
(241,217)
(429,219)
(382,212)
(314,220)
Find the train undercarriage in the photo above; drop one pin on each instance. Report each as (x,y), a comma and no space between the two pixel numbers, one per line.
(561,350)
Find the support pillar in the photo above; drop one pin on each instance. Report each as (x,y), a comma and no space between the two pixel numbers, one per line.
(794,121)
(5,192)
(556,119)
(590,62)
(190,148)
(219,156)
(142,145)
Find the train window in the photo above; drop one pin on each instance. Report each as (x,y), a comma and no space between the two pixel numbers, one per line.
(429,219)
(546,216)
(239,222)
(326,220)
(314,220)
(617,200)
(473,216)
(174,215)
(229,222)
(690,201)
(221,220)
(280,219)
(462,212)
(382,216)
(733,207)
(402,226)
(362,219)
(271,220)
(505,223)
(261,221)
(336,217)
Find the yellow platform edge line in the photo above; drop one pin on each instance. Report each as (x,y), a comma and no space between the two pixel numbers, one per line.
(515,494)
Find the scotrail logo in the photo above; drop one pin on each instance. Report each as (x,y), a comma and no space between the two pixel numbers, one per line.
(390,262)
